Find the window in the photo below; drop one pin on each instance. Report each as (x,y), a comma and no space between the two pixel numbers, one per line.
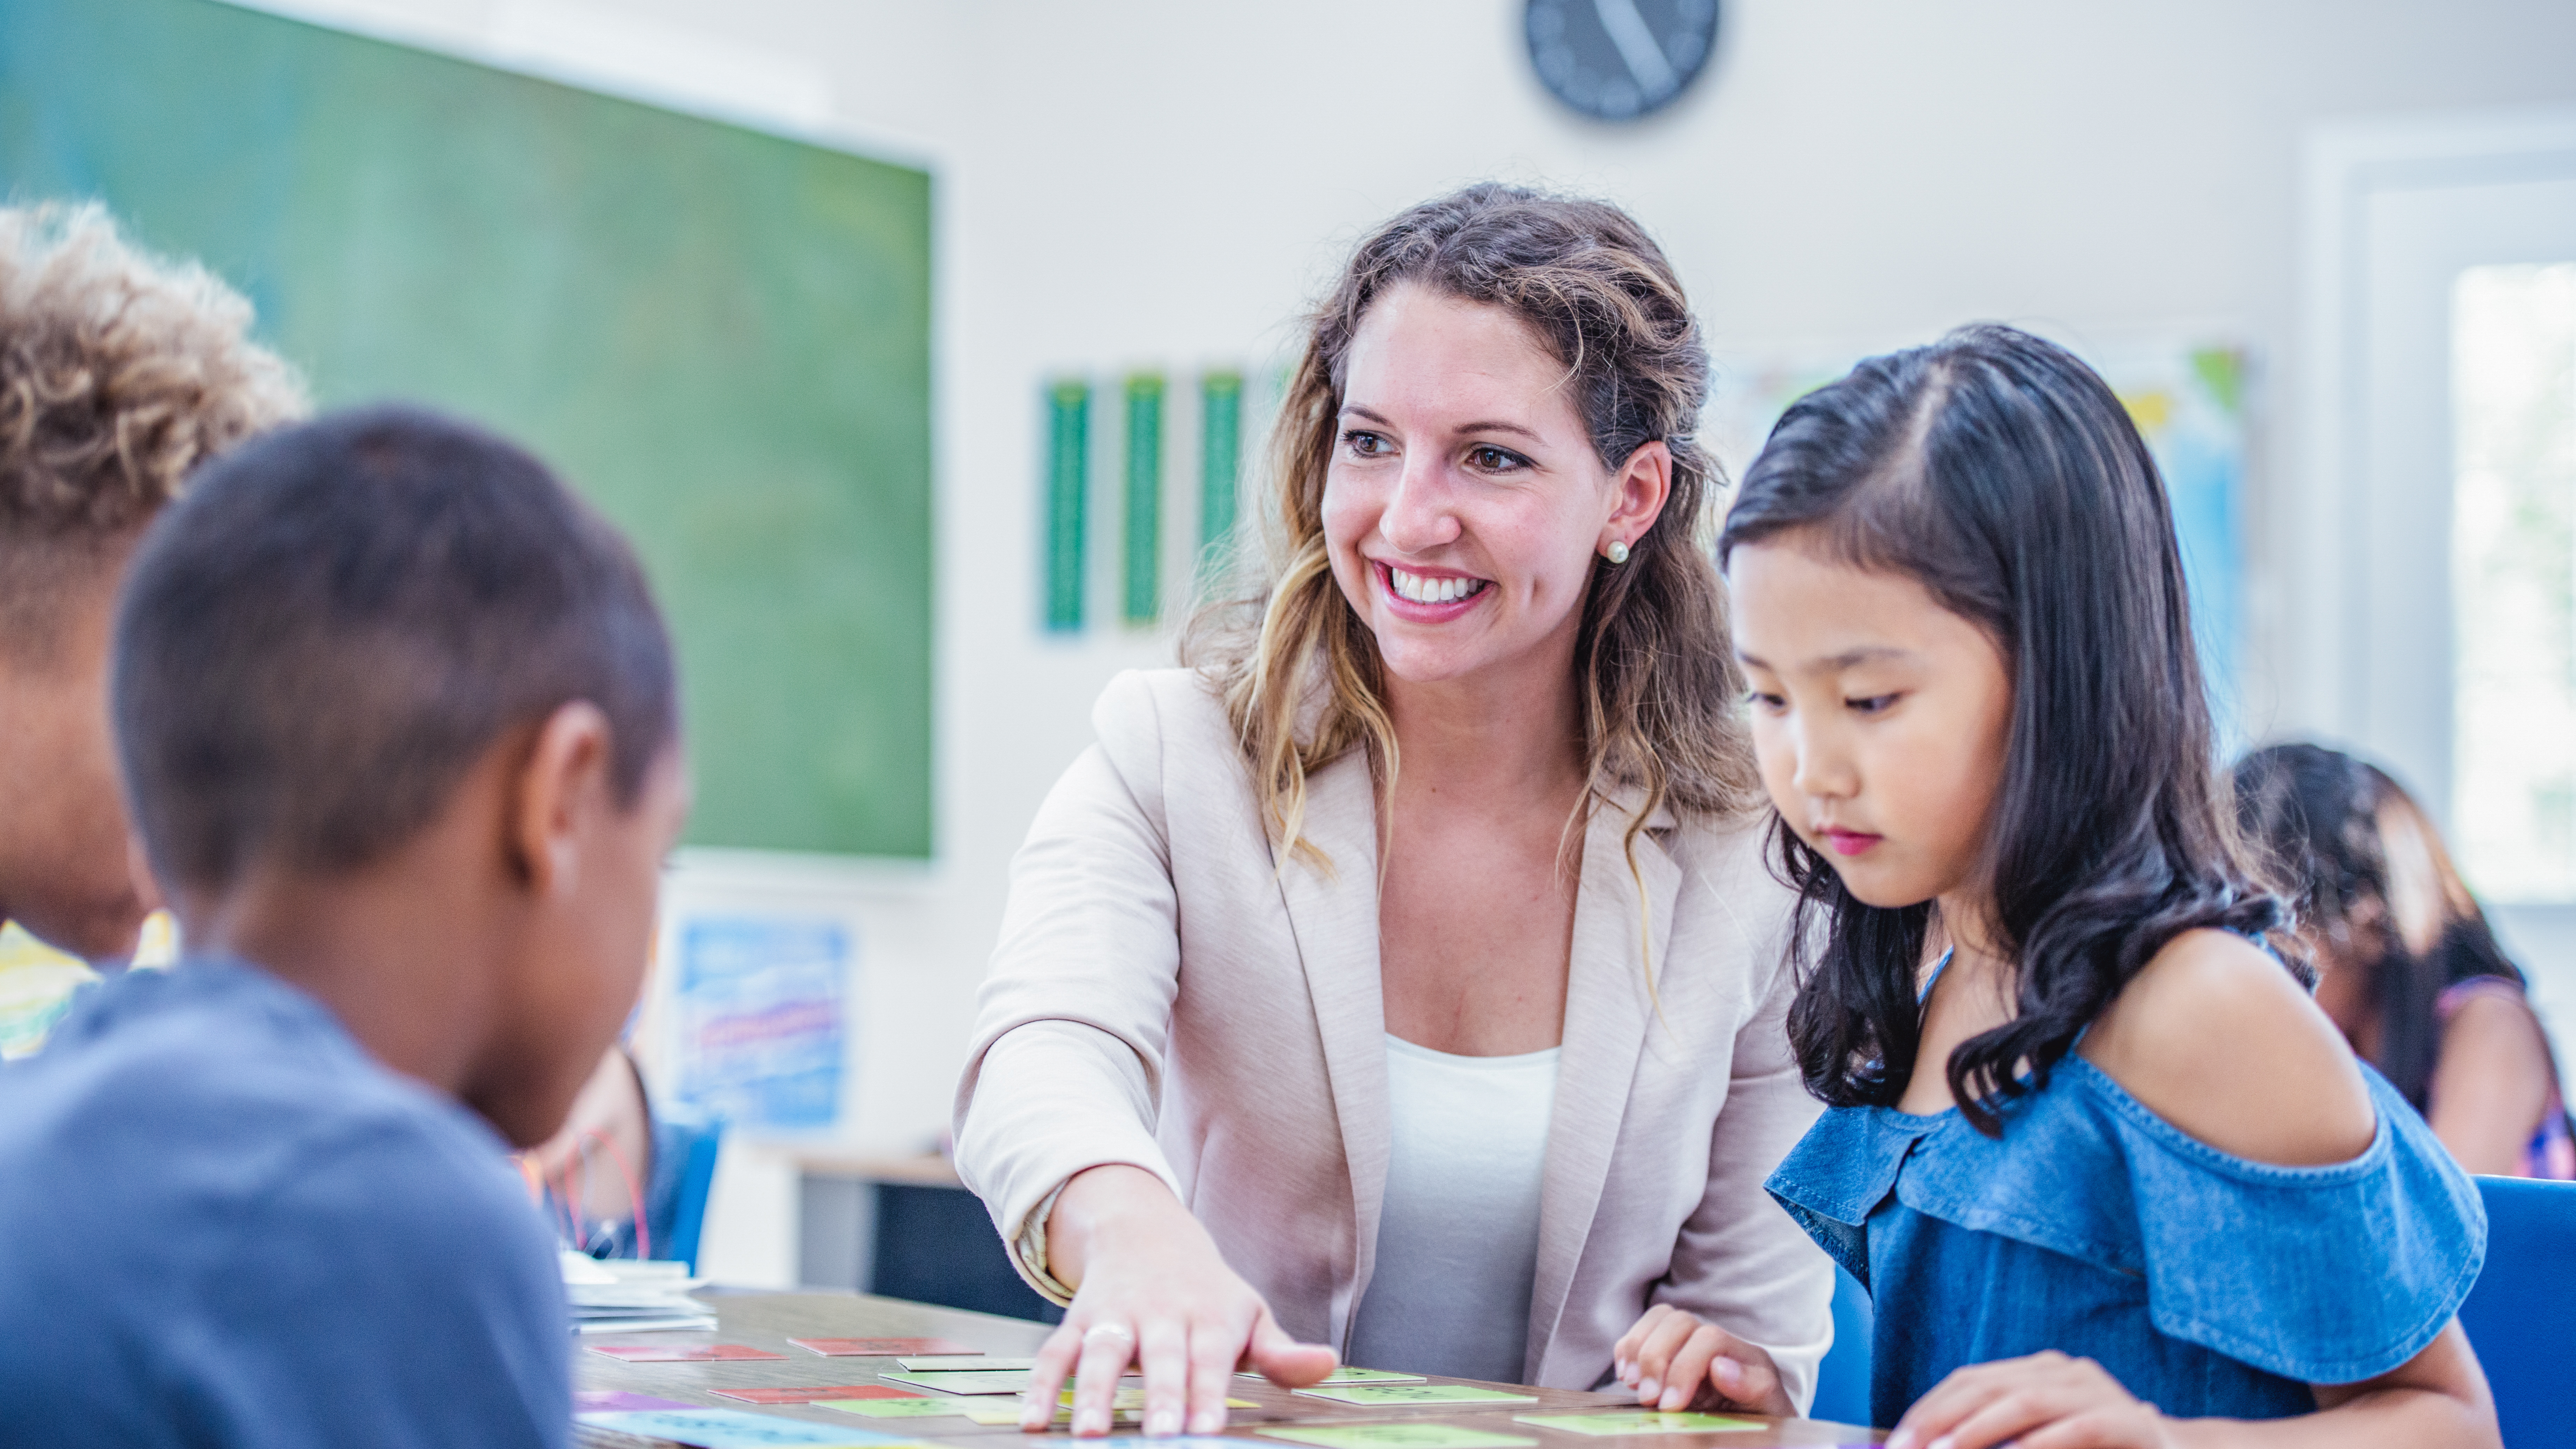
(2513,409)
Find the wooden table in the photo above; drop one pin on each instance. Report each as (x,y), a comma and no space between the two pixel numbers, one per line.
(768,1320)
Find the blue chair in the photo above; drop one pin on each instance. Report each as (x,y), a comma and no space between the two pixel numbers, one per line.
(1842,1385)
(677,1211)
(2521,1316)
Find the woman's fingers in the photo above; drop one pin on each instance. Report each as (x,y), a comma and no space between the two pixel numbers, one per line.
(1106,1350)
(1674,1361)
(1163,1351)
(1215,1349)
(1655,1355)
(1689,1367)
(1283,1360)
(1046,1381)
(1623,1354)
(1744,1377)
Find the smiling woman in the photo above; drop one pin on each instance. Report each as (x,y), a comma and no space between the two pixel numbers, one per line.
(1404,978)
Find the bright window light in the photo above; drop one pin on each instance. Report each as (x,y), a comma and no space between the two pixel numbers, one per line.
(2513,580)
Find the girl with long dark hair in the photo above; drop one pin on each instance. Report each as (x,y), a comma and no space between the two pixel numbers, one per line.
(2109,1174)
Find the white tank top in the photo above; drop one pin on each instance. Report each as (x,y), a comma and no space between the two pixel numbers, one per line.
(1457,1241)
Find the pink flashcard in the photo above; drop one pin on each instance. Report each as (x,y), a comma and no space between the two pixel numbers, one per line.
(813,1396)
(679,1353)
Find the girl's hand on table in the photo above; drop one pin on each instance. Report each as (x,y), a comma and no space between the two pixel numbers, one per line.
(1675,1361)
(1150,1288)
(2045,1401)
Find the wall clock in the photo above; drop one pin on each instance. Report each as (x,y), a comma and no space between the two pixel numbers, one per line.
(1617,60)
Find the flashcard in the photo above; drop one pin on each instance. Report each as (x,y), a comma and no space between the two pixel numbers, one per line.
(1120,1399)
(1396,1436)
(1642,1421)
(1135,1399)
(813,1396)
(999,1416)
(1372,1395)
(731,1429)
(610,1401)
(966,1363)
(679,1352)
(1349,1375)
(883,1347)
(907,1407)
(1010,1382)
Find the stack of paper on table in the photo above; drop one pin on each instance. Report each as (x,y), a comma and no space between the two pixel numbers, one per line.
(626,1296)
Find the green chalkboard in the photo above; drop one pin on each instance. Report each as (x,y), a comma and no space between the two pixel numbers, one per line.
(722,337)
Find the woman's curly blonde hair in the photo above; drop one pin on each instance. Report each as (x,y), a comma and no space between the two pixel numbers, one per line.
(1659,689)
(119,372)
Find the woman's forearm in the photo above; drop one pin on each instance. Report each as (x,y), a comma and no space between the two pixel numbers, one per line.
(1045,1102)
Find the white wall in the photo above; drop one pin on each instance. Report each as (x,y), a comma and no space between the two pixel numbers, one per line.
(1161,181)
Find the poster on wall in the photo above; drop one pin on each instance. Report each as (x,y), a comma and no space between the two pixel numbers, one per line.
(2187,397)
(759,1018)
(38,982)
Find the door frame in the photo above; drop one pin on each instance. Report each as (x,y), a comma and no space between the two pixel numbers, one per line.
(2347,165)
(2325,676)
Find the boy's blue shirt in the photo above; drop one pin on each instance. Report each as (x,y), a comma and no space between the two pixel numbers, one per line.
(222,1223)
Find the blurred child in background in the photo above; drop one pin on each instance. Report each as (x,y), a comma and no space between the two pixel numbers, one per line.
(2406,964)
(119,372)
(615,1182)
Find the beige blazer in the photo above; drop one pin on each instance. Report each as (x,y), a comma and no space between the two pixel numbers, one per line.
(1166,995)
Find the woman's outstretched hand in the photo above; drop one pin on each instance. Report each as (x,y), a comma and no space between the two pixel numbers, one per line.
(2045,1401)
(1151,1289)
(1675,1361)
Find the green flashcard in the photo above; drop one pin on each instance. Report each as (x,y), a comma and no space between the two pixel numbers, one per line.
(1397,1436)
(1642,1421)
(999,1382)
(1349,1375)
(1371,1395)
(897,1408)
(996,1418)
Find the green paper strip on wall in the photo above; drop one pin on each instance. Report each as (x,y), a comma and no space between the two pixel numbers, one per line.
(1220,458)
(1144,601)
(1068,477)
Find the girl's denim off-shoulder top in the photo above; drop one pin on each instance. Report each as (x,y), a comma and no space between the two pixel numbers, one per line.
(2207,1284)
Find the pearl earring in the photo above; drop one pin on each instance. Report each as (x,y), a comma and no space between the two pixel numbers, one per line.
(1617,552)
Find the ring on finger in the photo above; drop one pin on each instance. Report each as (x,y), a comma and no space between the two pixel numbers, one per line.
(1118,1331)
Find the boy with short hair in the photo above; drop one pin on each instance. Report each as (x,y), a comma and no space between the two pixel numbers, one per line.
(119,372)
(397,720)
